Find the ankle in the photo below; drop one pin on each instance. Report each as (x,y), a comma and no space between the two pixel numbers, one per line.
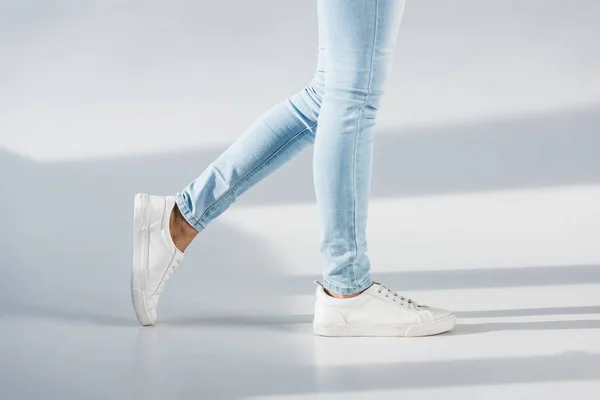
(342,296)
(182,232)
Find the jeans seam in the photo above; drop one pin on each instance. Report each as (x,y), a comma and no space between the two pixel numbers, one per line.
(316,99)
(355,248)
(255,170)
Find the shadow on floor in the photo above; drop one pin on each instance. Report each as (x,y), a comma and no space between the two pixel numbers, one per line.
(65,266)
(524,312)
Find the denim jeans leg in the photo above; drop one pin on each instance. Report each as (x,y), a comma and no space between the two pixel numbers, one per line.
(274,138)
(359,36)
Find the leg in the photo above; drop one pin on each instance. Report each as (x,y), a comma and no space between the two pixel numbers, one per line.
(164,226)
(360,38)
(270,141)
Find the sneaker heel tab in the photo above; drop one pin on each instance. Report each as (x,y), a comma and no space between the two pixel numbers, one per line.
(320,290)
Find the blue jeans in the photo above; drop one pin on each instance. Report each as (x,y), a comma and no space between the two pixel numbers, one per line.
(336,112)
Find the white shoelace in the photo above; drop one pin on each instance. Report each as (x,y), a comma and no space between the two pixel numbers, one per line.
(396,298)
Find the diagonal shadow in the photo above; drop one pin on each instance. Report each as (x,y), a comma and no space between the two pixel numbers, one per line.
(280,379)
(515,152)
(467,329)
(294,319)
(283,286)
(452,373)
(525,312)
(470,278)
(494,278)
(69,243)
(80,230)
(274,320)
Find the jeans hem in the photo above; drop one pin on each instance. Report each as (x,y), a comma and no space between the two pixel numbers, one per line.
(187,214)
(207,214)
(344,290)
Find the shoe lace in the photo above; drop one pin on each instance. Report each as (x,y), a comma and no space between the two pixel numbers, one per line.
(396,298)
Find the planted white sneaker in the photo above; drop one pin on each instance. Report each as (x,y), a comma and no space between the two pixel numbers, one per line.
(378,311)
(154,254)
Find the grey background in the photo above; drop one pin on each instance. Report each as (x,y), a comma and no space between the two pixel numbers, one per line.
(100,100)
(88,79)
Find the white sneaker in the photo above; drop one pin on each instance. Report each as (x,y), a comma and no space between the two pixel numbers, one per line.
(378,311)
(154,253)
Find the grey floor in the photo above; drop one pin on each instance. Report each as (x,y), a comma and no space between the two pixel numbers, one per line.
(519,264)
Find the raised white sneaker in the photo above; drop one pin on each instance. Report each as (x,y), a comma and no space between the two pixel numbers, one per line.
(378,311)
(154,254)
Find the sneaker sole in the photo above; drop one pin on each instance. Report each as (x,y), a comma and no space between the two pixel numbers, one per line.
(140,258)
(426,329)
